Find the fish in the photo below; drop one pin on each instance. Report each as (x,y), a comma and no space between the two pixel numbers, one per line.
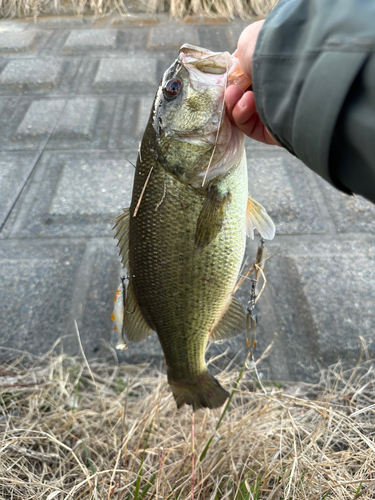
(182,240)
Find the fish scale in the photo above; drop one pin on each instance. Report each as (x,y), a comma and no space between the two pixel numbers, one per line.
(182,291)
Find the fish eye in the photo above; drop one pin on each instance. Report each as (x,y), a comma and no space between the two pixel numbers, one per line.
(172,88)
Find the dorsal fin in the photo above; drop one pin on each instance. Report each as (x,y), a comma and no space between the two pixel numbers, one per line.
(257,217)
(122,235)
(232,323)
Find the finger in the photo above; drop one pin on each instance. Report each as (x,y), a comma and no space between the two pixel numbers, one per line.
(244,109)
(232,95)
(245,116)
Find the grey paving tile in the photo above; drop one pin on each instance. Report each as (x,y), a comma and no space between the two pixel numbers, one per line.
(40,118)
(19,41)
(31,74)
(86,40)
(78,119)
(36,291)
(278,181)
(13,25)
(26,122)
(126,70)
(77,194)
(172,37)
(121,75)
(38,75)
(13,168)
(218,38)
(324,295)
(235,30)
(8,105)
(103,271)
(64,22)
(141,20)
(85,123)
(349,213)
(132,115)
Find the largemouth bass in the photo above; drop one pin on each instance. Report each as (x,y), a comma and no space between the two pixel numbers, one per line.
(182,240)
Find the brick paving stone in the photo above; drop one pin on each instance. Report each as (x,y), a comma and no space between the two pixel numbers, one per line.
(31,74)
(40,118)
(78,119)
(104,191)
(349,213)
(36,293)
(323,298)
(172,37)
(277,180)
(3,103)
(77,194)
(90,39)
(235,31)
(85,123)
(130,71)
(63,22)
(104,271)
(134,21)
(218,39)
(13,26)
(20,41)
(207,20)
(144,112)
(13,168)
(131,118)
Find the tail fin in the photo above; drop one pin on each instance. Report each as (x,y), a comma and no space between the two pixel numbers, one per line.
(200,392)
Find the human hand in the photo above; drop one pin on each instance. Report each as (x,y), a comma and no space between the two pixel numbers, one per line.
(241,105)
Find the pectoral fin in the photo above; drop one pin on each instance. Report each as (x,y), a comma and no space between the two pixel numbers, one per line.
(232,323)
(257,217)
(122,235)
(211,218)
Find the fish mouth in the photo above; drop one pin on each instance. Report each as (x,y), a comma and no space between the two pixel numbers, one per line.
(214,63)
(220,69)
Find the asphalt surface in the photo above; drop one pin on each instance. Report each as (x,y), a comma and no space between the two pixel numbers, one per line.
(75,95)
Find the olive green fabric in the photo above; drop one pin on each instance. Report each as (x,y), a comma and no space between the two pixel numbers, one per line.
(314,85)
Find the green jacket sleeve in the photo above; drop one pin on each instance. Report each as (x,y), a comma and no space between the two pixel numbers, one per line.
(314,86)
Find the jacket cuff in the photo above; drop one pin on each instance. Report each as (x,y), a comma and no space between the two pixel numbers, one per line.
(319,104)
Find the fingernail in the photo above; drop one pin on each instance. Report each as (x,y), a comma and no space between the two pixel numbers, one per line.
(241,103)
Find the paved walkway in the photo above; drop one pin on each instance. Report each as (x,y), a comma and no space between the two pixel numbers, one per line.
(75,96)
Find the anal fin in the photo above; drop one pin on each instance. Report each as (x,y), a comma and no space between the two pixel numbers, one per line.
(257,217)
(135,326)
(232,323)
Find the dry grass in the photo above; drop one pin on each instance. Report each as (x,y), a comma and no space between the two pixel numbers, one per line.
(226,8)
(177,8)
(115,433)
